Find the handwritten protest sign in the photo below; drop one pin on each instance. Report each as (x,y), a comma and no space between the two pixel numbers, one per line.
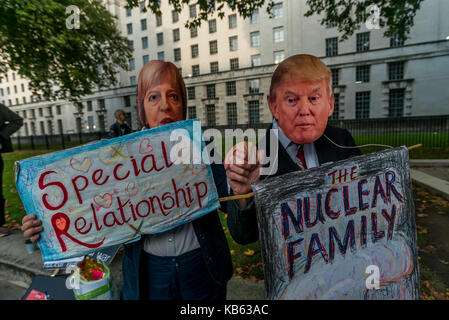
(112,191)
(340,231)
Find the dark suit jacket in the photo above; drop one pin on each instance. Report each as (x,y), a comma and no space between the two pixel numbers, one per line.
(211,237)
(242,223)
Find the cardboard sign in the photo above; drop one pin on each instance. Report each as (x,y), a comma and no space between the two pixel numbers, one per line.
(112,191)
(341,231)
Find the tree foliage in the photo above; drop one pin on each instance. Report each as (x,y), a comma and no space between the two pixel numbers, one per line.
(59,62)
(396,15)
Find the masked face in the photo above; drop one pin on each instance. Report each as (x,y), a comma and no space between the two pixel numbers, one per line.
(302,109)
(163,103)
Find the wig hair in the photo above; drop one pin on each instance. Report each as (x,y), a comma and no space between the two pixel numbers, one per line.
(304,67)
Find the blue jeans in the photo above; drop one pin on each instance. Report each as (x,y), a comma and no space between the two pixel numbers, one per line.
(183,277)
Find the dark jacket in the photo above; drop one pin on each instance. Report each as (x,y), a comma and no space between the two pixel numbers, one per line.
(212,240)
(10,122)
(116,130)
(242,223)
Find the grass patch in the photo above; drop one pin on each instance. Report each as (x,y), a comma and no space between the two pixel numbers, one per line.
(247,259)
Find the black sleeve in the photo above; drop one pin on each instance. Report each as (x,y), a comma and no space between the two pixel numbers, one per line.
(242,223)
(113,132)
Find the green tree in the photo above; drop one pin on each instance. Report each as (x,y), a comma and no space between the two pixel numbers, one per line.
(396,15)
(60,61)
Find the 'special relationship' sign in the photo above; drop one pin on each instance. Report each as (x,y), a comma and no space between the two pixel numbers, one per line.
(112,191)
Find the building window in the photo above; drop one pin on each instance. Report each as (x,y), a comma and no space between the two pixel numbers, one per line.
(214,67)
(129,28)
(396,103)
(142,6)
(191,112)
(196,70)
(161,55)
(132,80)
(255,39)
(42,125)
(331,47)
(7,90)
(362,102)
(278,56)
(396,70)
(191,93)
(253,110)
(210,91)
(176,36)
(180,71)
(15,89)
(192,11)
(231,109)
(336,114)
(127,100)
(194,49)
(212,26)
(277,10)
(144,42)
(330,25)
(132,64)
(101,103)
(41,112)
(177,54)
(33,114)
(335,77)
(278,34)
(233,43)
(234,63)
(158,21)
(58,109)
(89,106)
(231,88)
(210,114)
(254,17)
(362,73)
(213,47)
(131,45)
(128,12)
(22,86)
(143,24)
(362,41)
(160,38)
(174,16)
(1,92)
(232,19)
(253,86)
(255,60)
(193,31)
(145,59)
(395,41)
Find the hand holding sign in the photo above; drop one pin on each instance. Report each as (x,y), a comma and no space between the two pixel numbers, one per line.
(242,164)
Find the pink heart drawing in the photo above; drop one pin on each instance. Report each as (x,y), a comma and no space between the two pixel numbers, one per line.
(132,189)
(145,146)
(83,165)
(104,201)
